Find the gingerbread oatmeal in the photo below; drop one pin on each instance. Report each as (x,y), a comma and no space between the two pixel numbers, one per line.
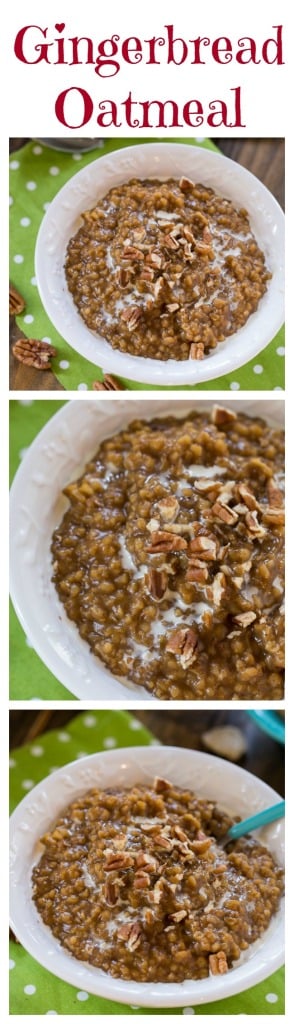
(137,882)
(170,556)
(165,269)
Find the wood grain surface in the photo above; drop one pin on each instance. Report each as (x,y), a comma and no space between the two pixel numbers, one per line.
(264,157)
(264,757)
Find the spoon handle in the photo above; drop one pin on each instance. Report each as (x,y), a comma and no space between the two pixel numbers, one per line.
(256,820)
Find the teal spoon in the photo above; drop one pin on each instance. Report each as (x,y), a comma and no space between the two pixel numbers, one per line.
(241,828)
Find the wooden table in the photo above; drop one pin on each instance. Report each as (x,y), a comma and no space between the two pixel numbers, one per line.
(264,757)
(264,157)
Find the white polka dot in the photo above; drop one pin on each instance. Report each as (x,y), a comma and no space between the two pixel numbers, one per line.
(12,762)
(51,1013)
(14,165)
(64,364)
(34,280)
(27,784)
(11,200)
(277,388)
(29,319)
(25,222)
(18,258)
(155,743)
(199,138)
(31,185)
(37,751)
(90,721)
(11,964)
(46,206)
(22,452)
(134,1007)
(82,387)
(280,350)
(29,642)
(26,401)
(109,742)
(234,386)
(82,996)
(188,1009)
(47,340)
(30,990)
(53,769)
(63,737)
(54,171)
(100,145)
(77,156)
(258,368)
(134,725)
(271,997)
(82,753)
(37,150)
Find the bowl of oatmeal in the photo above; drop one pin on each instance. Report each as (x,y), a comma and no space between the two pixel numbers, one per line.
(147,555)
(106,864)
(163,263)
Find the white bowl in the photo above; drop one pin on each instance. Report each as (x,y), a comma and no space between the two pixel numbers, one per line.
(161,160)
(207,776)
(58,455)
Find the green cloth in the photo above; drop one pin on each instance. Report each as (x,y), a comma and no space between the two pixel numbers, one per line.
(36,175)
(33,989)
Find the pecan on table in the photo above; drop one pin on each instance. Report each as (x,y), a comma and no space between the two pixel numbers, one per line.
(34,353)
(109,383)
(16,301)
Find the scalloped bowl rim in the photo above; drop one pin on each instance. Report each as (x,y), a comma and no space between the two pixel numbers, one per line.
(212,777)
(160,159)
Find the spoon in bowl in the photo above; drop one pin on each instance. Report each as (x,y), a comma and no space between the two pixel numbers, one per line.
(241,828)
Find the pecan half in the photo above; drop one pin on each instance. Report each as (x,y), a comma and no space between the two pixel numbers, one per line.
(196,350)
(275,496)
(141,880)
(131,317)
(34,353)
(111,890)
(245,619)
(132,253)
(135,935)
(109,383)
(220,415)
(168,508)
(16,301)
(157,583)
(118,861)
(218,963)
(123,277)
(225,513)
(184,642)
(164,541)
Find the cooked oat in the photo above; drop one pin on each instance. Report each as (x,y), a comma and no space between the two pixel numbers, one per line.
(170,556)
(165,269)
(137,882)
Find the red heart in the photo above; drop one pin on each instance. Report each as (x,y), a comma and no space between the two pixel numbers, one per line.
(60,27)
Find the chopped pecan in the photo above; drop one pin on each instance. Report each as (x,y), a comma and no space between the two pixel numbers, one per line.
(206,547)
(245,619)
(131,317)
(220,415)
(154,259)
(111,890)
(186,184)
(118,861)
(146,861)
(163,841)
(16,301)
(197,571)
(225,513)
(123,277)
(189,235)
(275,496)
(141,880)
(157,892)
(153,525)
(131,252)
(161,785)
(157,583)
(196,350)
(248,498)
(170,242)
(109,383)
(218,963)
(34,353)
(227,492)
(134,937)
(201,844)
(180,834)
(147,274)
(172,307)
(156,288)
(184,642)
(168,508)
(204,485)
(274,516)
(207,236)
(253,525)
(178,916)
(164,541)
(216,591)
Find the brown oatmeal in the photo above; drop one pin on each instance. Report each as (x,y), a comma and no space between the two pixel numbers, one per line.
(169,558)
(137,882)
(165,269)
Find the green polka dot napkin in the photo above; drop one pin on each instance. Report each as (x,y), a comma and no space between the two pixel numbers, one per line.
(33,990)
(36,175)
